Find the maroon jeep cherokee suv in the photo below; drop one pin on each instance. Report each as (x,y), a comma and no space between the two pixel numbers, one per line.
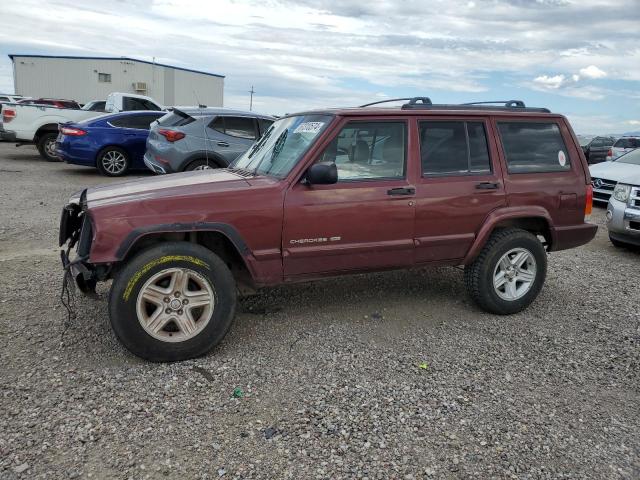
(322,193)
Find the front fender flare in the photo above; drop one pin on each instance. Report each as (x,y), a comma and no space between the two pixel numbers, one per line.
(224,228)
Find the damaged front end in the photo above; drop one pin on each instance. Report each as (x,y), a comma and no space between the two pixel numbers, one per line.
(76,231)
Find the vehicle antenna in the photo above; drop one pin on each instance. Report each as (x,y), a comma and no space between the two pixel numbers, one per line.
(252,91)
(204,130)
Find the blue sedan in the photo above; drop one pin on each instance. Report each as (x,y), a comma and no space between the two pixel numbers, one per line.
(114,144)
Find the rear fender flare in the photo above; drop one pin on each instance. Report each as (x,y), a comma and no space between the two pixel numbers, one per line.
(504,214)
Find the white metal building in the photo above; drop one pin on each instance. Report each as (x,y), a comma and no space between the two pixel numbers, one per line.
(93,78)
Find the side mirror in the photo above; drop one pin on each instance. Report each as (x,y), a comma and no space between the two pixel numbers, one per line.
(323,173)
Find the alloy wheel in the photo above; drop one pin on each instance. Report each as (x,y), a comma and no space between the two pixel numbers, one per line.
(114,162)
(175,304)
(514,274)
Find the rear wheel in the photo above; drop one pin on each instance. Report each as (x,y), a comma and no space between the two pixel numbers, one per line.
(113,162)
(172,302)
(47,146)
(200,164)
(509,272)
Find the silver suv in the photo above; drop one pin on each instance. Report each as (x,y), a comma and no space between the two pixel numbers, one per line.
(623,213)
(201,138)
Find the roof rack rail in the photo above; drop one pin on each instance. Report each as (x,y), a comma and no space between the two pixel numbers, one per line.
(419,103)
(505,103)
(499,105)
(412,101)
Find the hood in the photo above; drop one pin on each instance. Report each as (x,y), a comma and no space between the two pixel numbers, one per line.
(175,184)
(632,179)
(613,170)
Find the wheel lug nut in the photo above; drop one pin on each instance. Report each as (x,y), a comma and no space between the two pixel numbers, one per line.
(185,301)
(168,310)
(166,299)
(180,312)
(177,294)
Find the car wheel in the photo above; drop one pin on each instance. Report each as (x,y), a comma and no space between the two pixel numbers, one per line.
(47,147)
(201,164)
(113,162)
(508,273)
(172,302)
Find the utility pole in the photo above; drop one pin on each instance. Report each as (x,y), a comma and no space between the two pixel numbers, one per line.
(251,99)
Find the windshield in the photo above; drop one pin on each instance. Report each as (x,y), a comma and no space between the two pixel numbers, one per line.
(633,157)
(283,145)
(584,141)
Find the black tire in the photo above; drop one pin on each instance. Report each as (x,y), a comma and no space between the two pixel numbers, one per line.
(132,277)
(201,164)
(46,146)
(618,243)
(479,275)
(119,157)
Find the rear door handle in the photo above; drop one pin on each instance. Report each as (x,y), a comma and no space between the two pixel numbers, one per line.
(487,186)
(223,144)
(402,191)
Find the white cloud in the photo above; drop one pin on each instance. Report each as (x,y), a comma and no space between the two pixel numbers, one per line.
(548,82)
(635,123)
(592,72)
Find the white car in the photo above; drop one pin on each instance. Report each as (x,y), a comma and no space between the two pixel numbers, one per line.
(10,98)
(39,123)
(623,145)
(605,175)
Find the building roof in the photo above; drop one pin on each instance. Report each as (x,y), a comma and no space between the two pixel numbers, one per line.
(12,55)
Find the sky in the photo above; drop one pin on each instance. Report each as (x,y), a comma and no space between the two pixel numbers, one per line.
(580,58)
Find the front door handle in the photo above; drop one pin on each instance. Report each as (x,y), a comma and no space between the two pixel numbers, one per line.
(487,186)
(223,144)
(402,191)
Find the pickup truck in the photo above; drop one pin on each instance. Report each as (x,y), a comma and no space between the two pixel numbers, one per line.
(38,124)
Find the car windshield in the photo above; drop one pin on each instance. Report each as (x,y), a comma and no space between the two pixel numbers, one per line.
(283,145)
(584,140)
(633,157)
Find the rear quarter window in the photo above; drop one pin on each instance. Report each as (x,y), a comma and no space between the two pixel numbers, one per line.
(533,147)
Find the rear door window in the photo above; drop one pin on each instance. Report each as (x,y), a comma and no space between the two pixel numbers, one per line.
(124,122)
(533,147)
(241,127)
(454,148)
(143,122)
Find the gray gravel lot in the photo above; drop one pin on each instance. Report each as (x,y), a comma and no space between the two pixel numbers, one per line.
(330,371)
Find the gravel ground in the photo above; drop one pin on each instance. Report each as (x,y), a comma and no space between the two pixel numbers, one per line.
(393,375)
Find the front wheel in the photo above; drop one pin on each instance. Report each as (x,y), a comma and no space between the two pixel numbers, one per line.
(47,147)
(172,302)
(509,272)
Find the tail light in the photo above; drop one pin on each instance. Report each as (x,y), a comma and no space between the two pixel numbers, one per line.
(588,204)
(610,152)
(8,114)
(171,135)
(72,132)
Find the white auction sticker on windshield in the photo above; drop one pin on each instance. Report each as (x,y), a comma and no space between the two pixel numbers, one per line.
(562,159)
(309,127)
